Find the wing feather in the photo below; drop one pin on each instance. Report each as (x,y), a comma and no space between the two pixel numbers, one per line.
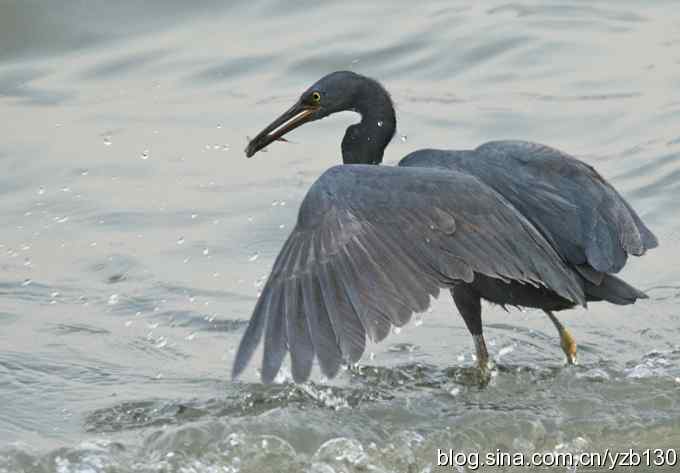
(321,329)
(577,210)
(275,337)
(297,329)
(346,324)
(373,245)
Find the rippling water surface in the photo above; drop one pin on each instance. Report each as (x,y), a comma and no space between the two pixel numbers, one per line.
(136,235)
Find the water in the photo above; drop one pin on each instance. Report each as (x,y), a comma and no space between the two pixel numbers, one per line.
(136,235)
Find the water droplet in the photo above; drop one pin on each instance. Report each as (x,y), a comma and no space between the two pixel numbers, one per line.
(41,190)
(191,336)
(283,225)
(180,241)
(403,138)
(454,391)
(505,351)
(63,219)
(219,125)
(418,321)
(113,299)
(162,341)
(145,155)
(128,323)
(396,330)
(66,189)
(27,262)
(26,282)
(193,216)
(54,294)
(380,124)
(206,251)
(107,141)
(254,256)
(275,203)
(356,61)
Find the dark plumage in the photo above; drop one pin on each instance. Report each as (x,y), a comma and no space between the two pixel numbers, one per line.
(511,222)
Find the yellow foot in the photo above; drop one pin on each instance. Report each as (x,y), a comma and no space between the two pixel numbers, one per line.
(568,344)
(486,372)
(483,363)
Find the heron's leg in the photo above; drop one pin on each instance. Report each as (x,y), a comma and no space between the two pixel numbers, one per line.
(469,305)
(567,342)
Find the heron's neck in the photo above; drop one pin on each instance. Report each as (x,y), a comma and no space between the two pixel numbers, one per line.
(365,142)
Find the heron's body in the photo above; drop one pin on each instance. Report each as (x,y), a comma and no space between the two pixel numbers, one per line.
(514,223)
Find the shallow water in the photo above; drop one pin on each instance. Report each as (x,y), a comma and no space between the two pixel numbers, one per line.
(136,235)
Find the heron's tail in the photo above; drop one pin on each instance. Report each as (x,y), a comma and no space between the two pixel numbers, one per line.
(614,290)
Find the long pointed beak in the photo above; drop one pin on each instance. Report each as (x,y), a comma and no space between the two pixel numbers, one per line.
(297,115)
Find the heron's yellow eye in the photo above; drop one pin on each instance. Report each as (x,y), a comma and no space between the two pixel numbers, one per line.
(316,97)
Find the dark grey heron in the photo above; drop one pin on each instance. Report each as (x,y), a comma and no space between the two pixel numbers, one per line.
(511,222)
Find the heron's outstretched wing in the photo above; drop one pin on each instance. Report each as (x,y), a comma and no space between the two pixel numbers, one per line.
(582,215)
(370,247)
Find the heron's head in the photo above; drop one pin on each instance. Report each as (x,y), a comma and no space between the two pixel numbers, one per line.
(337,92)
